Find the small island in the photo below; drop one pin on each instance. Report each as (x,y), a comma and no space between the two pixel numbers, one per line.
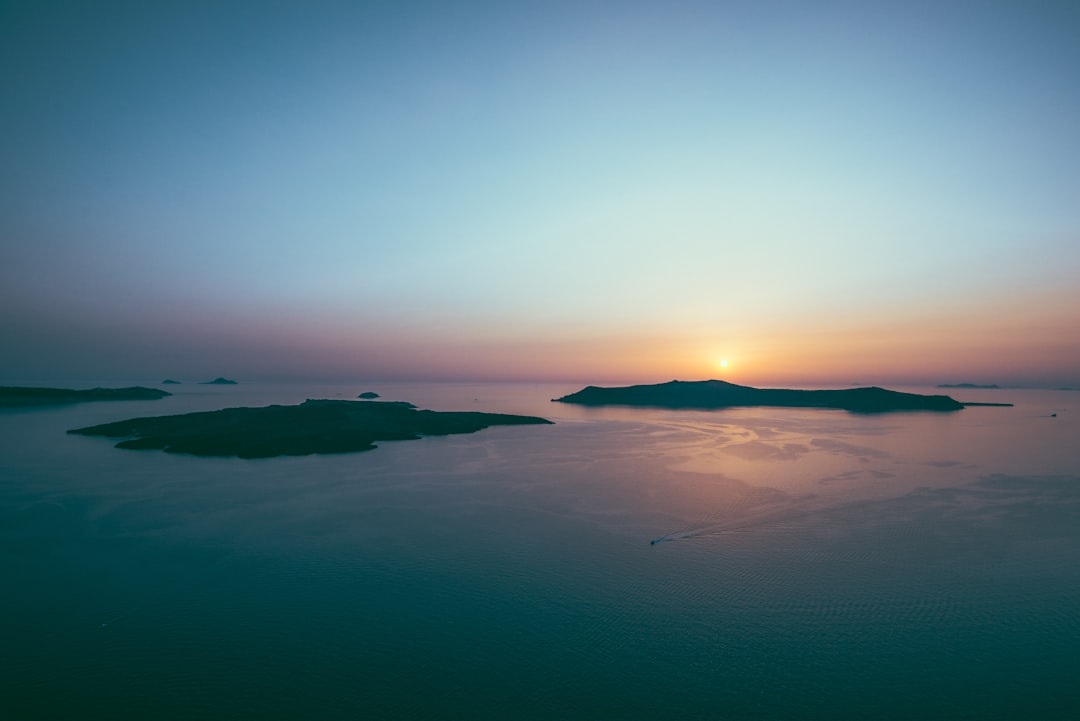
(968,385)
(368,395)
(14,396)
(170,382)
(219,382)
(713,394)
(315,426)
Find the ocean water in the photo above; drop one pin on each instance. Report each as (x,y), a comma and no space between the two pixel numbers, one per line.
(809,564)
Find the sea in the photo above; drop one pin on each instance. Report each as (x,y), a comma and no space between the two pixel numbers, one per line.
(622,563)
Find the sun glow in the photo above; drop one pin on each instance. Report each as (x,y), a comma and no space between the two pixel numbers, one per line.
(720,364)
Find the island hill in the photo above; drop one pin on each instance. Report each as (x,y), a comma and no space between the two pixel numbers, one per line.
(12,396)
(714,394)
(315,426)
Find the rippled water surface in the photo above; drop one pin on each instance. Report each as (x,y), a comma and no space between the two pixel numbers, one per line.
(808,564)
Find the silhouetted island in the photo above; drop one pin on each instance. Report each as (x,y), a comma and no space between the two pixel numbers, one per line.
(11,396)
(170,382)
(967,385)
(219,382)
(714,394)
(315,426)
(368,395)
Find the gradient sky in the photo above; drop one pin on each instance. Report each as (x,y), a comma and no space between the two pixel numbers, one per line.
(847,192)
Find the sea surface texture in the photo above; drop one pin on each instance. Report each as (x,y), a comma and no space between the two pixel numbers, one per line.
(620,564)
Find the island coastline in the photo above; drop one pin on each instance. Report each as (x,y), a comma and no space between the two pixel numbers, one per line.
(23,396)
(315,426)
(716,394)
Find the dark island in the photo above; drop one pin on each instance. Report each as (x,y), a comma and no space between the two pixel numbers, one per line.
(714,394)
(315,426)
(368,395)
(13,396)
(170,382)
(219,381)
(967,385)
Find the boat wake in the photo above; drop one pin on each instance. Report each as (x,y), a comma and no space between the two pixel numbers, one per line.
(732,526)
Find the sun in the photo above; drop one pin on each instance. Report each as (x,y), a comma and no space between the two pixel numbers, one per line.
(722,363)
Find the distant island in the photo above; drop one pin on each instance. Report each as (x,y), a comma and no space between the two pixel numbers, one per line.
(714,394)
(315,426)
(368,395)
(13,396)
(219,382)
(170,382)
(967,385)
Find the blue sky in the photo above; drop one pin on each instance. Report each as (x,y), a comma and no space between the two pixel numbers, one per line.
(811,191)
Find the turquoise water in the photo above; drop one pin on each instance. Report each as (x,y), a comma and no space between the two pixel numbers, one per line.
(811,564)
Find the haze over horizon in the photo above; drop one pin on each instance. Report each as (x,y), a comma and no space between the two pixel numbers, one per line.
(612,192)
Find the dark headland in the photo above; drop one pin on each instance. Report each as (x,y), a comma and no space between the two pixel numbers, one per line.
(12,396)
(219,382)
(714,394)
(315,426)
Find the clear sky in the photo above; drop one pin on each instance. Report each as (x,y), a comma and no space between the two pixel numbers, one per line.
(815,192)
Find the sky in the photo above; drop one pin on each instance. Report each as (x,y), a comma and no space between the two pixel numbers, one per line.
(765,192)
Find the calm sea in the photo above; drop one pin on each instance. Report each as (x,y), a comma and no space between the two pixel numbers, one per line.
(809,564)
